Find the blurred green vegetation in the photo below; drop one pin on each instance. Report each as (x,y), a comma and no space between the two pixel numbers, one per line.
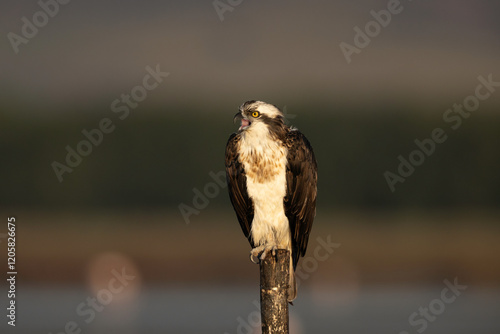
(155,158)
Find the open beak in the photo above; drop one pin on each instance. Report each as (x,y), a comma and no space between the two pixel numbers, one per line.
(245,123)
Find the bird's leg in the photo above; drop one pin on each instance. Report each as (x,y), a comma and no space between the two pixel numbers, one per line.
(264,250)
(269,247)
(254,254)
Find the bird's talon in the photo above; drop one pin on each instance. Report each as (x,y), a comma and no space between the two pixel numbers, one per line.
(254,259)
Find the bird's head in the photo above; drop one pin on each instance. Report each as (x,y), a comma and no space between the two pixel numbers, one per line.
(259,115)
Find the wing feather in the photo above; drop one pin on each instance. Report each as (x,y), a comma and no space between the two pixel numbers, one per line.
(300,199)
(237,183)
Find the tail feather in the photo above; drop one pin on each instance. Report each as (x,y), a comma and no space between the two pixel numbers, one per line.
(292,284)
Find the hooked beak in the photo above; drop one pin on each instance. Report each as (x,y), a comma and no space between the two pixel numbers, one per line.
(245,123)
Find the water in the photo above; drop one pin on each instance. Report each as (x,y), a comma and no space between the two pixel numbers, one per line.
(221,310)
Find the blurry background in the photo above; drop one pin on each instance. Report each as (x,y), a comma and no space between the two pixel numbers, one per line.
(139,221)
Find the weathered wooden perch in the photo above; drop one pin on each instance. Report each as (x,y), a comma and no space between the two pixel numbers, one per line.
(274,278)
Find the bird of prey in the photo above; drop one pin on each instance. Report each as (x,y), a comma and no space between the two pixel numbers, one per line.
(272,175)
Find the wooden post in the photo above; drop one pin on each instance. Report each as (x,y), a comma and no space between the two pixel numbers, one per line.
(274,279)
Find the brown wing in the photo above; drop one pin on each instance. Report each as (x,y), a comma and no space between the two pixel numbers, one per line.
(300,198)
(237,186)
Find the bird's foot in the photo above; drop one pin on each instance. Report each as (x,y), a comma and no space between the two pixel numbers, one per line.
(262,250)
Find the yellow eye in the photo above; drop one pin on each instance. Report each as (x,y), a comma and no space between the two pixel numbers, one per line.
(255,114)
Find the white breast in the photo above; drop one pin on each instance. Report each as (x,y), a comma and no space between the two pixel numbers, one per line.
(264,160)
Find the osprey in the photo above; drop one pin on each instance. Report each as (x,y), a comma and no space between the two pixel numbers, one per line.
(272,175)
